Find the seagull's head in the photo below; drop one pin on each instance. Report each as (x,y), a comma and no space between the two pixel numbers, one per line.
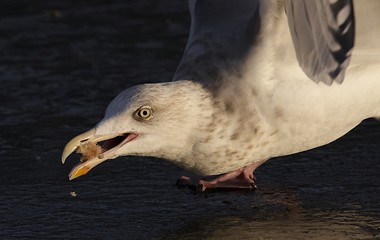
(159,120)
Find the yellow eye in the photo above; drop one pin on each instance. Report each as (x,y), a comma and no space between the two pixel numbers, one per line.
(144,113)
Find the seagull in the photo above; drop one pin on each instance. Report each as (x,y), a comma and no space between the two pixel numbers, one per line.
(258,79)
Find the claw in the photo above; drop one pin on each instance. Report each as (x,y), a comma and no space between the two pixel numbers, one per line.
(253,184)
(201,187)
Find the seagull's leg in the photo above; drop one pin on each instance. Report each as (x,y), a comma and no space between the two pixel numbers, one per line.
(241,178)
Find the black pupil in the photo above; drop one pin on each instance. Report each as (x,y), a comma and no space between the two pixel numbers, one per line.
(144,113)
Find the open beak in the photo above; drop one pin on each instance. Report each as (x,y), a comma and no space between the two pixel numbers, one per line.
(95,149)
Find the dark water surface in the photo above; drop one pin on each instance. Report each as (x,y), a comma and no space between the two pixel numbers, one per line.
(61,62)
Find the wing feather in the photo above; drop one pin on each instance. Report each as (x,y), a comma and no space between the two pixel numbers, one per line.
(323,34)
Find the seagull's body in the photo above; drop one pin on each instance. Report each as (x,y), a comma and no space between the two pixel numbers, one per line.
(239,96)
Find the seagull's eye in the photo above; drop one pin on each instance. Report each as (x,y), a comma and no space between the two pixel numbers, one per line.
(144,113)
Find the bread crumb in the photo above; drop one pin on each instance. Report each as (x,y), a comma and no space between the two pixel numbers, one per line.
(73,194)
(89,150)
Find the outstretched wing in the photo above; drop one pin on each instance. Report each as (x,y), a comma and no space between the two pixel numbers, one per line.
(221,33)
(323,33)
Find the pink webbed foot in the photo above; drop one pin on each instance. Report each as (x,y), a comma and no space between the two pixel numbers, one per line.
(241,178)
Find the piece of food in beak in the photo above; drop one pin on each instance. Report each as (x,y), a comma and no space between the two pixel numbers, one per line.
(91,155)
(89,150)
(94,149)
